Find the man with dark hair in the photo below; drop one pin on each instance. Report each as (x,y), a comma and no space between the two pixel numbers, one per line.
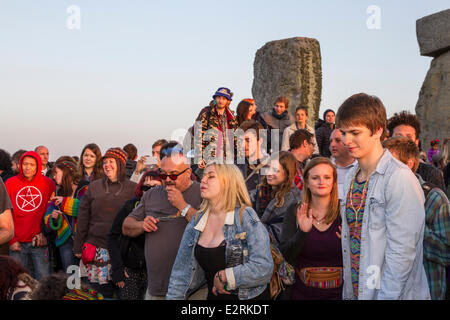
(254,156)
(15,160)
(141,165)
(30,193)
(436,241)
(302,147)
(383,215)
(131,152)
(323,133)
(407,125)
(6,171)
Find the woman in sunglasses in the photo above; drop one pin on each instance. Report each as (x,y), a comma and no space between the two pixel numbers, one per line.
(225,244)
(129,271)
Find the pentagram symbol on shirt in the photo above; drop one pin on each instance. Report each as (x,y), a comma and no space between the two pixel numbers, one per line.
(28,198)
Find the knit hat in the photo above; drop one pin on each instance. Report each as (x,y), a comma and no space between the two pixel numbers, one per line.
(224,92)
(116,153)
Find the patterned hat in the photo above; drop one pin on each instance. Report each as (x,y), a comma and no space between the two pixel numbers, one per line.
(224,92)
(116,153)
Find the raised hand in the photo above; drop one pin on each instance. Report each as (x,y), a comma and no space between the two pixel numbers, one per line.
(304,218)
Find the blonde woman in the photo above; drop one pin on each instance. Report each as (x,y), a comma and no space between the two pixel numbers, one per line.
(225,244)
(310,239)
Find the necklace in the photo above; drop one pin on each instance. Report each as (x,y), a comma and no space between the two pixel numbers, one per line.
(363,197)
(319,221)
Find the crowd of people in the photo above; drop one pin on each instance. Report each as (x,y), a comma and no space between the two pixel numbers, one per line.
(250,206)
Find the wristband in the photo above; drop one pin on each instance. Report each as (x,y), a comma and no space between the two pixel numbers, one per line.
(185,210)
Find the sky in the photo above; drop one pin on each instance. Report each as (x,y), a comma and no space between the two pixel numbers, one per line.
(136,71)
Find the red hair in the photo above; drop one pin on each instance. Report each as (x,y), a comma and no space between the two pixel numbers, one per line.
(11,268)
(252,101)
(150,173)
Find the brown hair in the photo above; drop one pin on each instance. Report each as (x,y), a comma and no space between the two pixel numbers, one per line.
(98,167)
(131,151)
(304,108)
(9,277)
(404,118)
(159,142)
(289,165)
(284,100)
(252,125)
(70,176)
(242,111)
(333,207)
(299,136)
(404,149)
(365,110)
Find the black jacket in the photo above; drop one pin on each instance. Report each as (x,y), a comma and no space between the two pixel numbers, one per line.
(431,174)
(323,134)
(292,238)
(125,251)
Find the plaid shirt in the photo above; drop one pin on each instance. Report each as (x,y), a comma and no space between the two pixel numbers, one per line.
(436,241)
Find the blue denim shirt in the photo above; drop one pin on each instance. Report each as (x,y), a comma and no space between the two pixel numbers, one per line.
(391,256)
(249,279)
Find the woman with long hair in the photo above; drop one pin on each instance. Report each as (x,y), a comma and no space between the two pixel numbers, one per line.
(310,238)
(91,163)
(62,211)
(96,214)
(280,179)
(301,118)
(225,244)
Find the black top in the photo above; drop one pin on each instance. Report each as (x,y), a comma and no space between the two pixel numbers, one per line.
(212,260)
(125,251)
(431,174)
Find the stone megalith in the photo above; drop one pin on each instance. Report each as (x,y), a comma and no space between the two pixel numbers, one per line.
(291,68)
(433,106)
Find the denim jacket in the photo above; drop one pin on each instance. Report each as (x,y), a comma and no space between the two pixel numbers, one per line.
(391,256)
(248,279)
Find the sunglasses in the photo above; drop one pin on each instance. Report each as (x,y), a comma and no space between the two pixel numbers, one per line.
(172,176)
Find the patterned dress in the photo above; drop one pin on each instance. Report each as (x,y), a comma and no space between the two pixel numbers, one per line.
(357,197)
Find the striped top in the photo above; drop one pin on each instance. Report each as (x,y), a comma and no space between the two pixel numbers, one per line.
(358,200)
(66,224)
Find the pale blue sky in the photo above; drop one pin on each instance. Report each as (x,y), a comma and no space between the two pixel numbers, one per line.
(136,70)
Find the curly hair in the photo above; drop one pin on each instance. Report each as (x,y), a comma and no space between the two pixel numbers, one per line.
(404,118)
(5,160)
(9,277)
(53,287)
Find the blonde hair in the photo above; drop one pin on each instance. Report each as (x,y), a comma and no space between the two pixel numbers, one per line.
(233,189)
(447,152)
(333,207)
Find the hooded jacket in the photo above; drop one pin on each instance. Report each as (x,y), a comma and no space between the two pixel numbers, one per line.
(29,200)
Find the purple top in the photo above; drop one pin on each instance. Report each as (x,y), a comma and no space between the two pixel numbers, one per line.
(431,153)
(321,249)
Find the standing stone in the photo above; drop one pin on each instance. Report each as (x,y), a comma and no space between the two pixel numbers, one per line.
(433,106)
(291,68)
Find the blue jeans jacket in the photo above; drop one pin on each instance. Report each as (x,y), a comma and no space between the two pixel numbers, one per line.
(391,256)
(249,279)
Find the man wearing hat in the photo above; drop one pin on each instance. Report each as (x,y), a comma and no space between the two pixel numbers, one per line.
(214,130)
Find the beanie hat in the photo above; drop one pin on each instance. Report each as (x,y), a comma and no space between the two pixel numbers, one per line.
(224,92)
(116,153)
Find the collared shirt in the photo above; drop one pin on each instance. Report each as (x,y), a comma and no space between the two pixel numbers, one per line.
(391,259)
(436,241)
(341,173)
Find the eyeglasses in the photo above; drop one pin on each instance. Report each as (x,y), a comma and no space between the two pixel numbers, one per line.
(172,176)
